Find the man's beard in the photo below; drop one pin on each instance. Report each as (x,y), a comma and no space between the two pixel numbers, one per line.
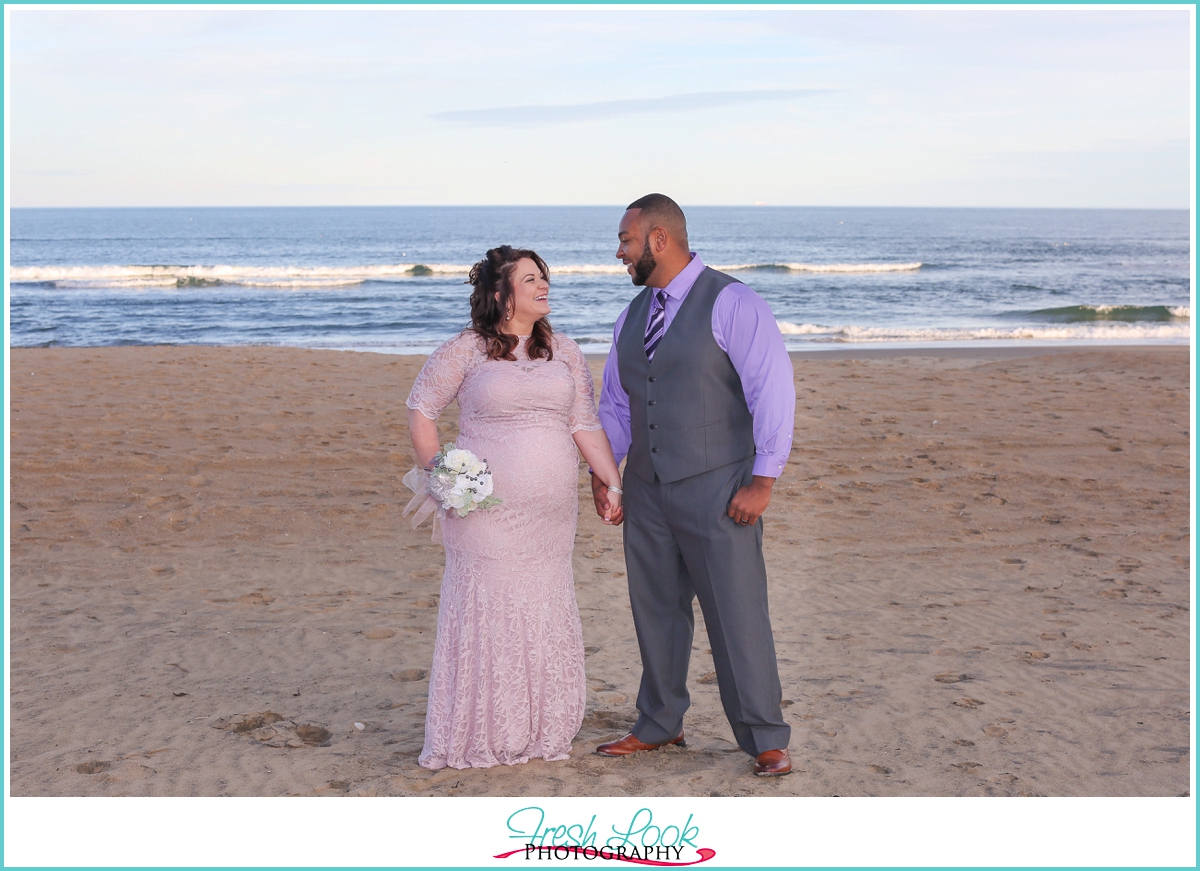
(645,266)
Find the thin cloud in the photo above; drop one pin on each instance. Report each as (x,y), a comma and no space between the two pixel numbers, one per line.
(524,116)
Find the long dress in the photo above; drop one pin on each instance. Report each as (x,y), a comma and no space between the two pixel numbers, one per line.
(507,682)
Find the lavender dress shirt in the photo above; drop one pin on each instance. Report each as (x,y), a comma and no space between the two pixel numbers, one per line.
(745,329)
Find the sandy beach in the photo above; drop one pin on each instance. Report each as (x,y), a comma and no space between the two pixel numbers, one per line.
(979,567)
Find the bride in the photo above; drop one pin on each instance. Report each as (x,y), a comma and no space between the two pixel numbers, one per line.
(507,683)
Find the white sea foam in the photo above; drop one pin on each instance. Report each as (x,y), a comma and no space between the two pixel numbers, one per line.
(588,269)
(825,267)
(1180,311)
(341,276)
(1088,332)
(253,276)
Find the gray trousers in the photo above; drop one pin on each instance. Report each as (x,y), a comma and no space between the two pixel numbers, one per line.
(681,545)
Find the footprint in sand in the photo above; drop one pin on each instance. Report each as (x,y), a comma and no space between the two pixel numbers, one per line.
(951,678)
(995,730)
(251,722)
(409,674)
(274,730)
(311,734)
(967,767)
(255,599)
(963,742)
(378,633)
(1033,655)
(94,767)
(968,703)
(606,720)
(880,769)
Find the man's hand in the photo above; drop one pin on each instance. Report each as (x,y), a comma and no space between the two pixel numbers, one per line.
(748,503)
(610,513)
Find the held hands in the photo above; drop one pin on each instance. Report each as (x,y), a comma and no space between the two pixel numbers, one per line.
(608,503)
(746,506)
(749,502)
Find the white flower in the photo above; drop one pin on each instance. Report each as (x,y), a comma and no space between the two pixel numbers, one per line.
(475,466)
(458,497)
(483,487)
(458,460)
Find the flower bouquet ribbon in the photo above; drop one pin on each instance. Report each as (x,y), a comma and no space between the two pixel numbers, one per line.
(457,481)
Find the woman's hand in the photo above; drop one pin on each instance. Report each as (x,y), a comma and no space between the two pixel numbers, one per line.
(593,444)
(608,502)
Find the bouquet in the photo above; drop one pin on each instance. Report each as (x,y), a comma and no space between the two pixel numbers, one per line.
(461,481)
(457,481)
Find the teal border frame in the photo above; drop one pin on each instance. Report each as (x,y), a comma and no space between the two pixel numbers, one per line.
(882,4)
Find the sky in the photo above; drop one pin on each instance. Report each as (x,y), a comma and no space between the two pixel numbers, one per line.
(1026,107)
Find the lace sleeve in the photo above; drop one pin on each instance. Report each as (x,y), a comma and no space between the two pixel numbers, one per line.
(583,411)
(442,375)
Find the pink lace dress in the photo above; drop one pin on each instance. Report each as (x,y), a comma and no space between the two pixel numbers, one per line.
(507,682)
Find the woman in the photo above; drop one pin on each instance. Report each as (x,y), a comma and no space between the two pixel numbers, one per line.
(507,683)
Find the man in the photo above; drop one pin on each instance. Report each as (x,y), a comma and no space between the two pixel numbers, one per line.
(698,392)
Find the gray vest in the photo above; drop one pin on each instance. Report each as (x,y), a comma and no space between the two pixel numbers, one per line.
(687,411)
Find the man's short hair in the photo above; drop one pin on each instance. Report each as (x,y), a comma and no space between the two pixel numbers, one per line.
(660,210)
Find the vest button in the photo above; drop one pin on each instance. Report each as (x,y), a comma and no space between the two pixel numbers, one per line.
(654,426)
(653,379)
(651,402)
(654,450)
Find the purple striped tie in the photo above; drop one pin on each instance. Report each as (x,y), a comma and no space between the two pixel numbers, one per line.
(658,323)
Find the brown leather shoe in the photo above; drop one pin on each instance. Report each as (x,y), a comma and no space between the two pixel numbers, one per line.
(630,744)
(773,763)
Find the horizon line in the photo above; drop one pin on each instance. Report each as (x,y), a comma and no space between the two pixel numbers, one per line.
(754,205)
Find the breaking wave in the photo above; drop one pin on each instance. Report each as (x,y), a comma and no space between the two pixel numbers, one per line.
(212,276)
(1098,332)
(343,276)
(1124,313)
(822,267)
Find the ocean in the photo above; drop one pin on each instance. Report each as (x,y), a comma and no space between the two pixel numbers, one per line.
(391,279)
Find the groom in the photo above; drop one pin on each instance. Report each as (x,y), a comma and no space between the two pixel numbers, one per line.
(698,391)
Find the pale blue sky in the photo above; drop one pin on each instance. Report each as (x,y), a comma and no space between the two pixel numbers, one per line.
(304,106)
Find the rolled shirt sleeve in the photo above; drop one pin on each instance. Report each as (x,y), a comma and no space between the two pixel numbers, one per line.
(614,401)
(745,329)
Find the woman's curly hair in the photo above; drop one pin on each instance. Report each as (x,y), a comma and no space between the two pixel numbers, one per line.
(491,301)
